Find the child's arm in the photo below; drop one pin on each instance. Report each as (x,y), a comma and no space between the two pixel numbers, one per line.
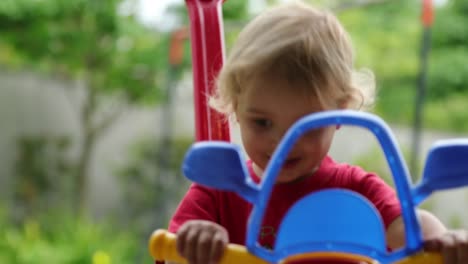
(452,244)
(199,238)
(201,241)
(198,203)
(431,228)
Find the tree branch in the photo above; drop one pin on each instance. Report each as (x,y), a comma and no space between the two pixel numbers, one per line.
(108,114)
(107,121)
(72,100)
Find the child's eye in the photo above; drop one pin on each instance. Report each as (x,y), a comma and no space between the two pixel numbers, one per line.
(262,123)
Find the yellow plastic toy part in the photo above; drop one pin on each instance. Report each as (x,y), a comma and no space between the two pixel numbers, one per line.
(422,258)
(162,246)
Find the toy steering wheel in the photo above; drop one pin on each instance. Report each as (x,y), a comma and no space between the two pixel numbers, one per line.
(355,232)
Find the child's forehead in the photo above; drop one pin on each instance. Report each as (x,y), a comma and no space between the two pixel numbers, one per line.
(271,84)
(277,103)
(274,81)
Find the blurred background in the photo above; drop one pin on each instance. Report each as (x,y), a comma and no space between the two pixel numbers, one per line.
(96,113)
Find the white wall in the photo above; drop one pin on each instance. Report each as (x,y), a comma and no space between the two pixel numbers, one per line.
(34,105)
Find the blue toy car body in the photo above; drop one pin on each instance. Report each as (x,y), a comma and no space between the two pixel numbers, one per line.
(357,227)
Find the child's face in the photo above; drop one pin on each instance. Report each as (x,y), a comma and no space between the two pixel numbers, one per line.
(265,110)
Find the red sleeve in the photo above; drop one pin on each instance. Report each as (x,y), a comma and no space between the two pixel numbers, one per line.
(378,192)
(198,203)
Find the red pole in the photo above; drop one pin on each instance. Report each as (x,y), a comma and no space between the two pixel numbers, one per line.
(208,57)
(427,18)
(176,48)
(427,13)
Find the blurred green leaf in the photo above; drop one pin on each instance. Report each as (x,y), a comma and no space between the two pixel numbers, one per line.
(84,39)
(388,40)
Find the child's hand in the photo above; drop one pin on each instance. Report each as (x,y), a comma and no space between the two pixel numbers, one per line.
(201,242)
(453,246)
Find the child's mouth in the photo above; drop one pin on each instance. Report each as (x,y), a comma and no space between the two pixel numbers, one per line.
(290,163)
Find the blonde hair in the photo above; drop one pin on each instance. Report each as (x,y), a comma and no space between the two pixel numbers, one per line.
(302,44)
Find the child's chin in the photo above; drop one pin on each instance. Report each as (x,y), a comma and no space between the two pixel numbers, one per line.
(287,178)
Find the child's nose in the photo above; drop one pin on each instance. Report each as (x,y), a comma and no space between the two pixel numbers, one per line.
(277,135)
(274,139)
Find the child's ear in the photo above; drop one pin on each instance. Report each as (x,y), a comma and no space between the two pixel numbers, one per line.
(234,116)
(234,110)
(343,104)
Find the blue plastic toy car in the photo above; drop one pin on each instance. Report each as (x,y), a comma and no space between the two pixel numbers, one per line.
(355,232)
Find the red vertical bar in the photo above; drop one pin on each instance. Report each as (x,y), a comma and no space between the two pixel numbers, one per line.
(176,48)
(206,33)
(427,13)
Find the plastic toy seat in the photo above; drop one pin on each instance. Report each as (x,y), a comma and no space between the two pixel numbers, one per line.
(331,220)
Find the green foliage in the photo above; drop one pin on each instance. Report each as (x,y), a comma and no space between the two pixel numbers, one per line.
(83,39)
(139,64)
(235,10)
(57,31)
(385,37)
(448,113)
(59,238)
(395,100)
(449,71)
(151,188)
(388,40)
(41,175)
(232,11)
(86,40)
